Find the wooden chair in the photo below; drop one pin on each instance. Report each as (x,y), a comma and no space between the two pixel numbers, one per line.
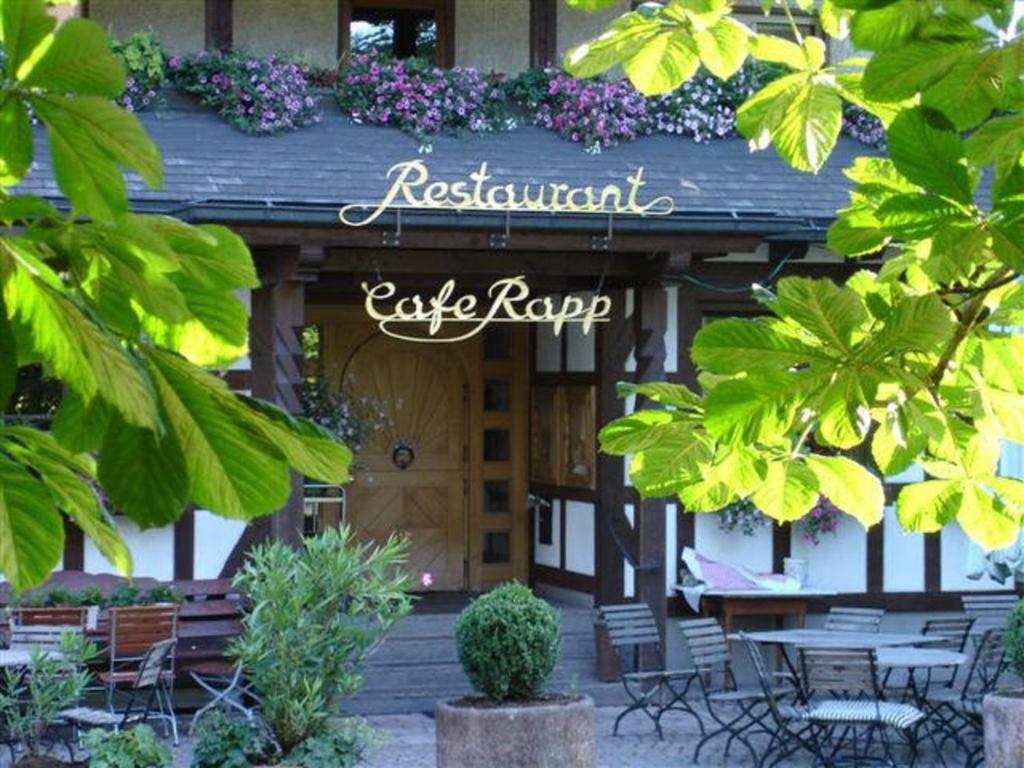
(739,712)
(149,679)
(854,619)
(48,638)
(134,631)
(631,629)
(989,611)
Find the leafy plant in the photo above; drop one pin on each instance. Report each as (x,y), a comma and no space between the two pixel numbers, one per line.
(341,747)
(125,595)
(224,743)
(164,593)
(258,95)
(30,704)
(915,359)
(823,518)
(91,595)
(1014,640)
(123,309)
(136,747)
(508,643)
(317,613)
(143,60)
(61,596)
(350,417)
(419,98)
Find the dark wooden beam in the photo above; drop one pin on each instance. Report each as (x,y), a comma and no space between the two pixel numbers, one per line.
(543,32)
(219,24)
(74,547)
(876,558)
(185,546)
(650,318)
(782,545)
(614,342)
(688,322)
(933,562)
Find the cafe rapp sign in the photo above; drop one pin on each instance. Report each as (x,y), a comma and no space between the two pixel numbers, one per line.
(448,317)
(410,187)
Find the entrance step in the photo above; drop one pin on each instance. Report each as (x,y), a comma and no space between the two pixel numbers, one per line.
(418,665)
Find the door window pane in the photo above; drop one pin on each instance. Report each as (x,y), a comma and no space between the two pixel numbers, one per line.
(496,547)
(497,445)
(496,395)
(496,495)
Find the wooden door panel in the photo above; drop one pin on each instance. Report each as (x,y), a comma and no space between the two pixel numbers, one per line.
(426,507)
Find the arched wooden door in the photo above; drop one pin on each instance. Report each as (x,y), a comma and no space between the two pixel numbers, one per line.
(413,474)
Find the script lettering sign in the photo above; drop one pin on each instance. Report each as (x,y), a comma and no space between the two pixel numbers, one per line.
(415,318)
(411,187)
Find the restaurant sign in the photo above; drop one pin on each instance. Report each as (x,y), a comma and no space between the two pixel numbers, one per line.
(415,318)
(412,188)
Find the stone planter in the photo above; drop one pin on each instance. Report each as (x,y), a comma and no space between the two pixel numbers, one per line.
(1004,729)
(547,734)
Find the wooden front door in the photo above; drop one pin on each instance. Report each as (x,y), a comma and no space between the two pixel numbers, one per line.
(413,475)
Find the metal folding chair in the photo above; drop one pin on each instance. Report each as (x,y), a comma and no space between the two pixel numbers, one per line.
(854,619)
(631,628)
(227,687)
(739,712)
(842,694)
(149,680)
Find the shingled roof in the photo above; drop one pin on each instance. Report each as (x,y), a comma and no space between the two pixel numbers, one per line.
(213,171)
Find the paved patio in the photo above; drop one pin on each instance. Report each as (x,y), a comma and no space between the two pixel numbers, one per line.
(409,743)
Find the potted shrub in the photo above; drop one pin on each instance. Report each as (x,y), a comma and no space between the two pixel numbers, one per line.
(508,644)
(1004,710)
(136,747)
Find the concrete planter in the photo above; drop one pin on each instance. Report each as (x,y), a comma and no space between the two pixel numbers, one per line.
(1004,729)
(542,735)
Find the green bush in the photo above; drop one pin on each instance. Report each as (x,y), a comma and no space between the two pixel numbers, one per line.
(143,60)
(133,748)
(124,595)
(1014,639)
(224,743)
(91,595)
(338,748)
(164,593)
(316,613)
(508,643)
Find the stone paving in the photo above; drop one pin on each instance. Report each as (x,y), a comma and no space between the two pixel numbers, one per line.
(408,742)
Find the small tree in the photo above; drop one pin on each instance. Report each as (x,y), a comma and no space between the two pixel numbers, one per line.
(1014,640)
(315,615)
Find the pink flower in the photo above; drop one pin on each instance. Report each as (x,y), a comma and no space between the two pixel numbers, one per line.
(426,580)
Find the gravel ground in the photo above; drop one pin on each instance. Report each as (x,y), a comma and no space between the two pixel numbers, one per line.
(408,742)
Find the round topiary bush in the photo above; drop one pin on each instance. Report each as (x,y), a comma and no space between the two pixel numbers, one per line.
(508,643)
(1014,639)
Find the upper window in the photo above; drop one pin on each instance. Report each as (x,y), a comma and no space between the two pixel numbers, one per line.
(399,28)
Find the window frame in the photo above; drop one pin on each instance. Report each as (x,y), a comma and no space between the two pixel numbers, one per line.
(444,15)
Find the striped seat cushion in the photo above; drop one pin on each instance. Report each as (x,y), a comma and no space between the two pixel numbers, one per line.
(839,711)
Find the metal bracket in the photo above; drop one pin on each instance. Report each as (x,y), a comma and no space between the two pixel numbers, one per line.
(501,240)
(603,242)
(393,239)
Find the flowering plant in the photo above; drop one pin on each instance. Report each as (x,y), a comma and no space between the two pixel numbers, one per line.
(742,515)
(861,125)
(352,418)
(704,107)
(419,98)
(256,95)
(594,113)
(823,518)
(143,60)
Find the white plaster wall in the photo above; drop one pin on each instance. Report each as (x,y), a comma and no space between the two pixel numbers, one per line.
(152,551)
(244,363)
(303,29)
(628,310)
(215,537)
(579,348)
(628,575)
(579,537)
(549,554)
(181,24)
(671,548)
(672,330)
(839,561)
(493,35)
(902,556)
(575,26)
(954,563)
(753,552)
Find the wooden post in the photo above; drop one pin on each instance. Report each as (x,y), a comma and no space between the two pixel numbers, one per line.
(650,317)
(614,341)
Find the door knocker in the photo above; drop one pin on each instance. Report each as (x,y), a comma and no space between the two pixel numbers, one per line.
(402,454)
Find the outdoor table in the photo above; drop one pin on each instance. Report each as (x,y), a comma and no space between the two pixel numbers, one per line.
(727,604)
(19,657)
(823,638)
